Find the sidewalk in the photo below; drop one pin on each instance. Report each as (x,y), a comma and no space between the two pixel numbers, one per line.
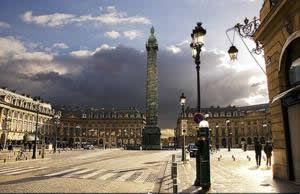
(227,175)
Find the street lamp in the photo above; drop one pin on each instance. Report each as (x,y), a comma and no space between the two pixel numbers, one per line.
(217,137)
(37,109)
(196,45)
(57,123)
(245,30)
(7,124)
(229,135)
(182,103)
(233,51)
(77,128)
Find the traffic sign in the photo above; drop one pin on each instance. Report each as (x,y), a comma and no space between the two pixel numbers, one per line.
(198,118)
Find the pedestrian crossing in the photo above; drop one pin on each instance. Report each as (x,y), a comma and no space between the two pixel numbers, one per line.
(119,175)
(138,176)
(19,170)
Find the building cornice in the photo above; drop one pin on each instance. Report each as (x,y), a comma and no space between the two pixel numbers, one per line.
(275,20)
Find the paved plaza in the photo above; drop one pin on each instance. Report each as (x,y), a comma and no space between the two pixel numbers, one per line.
(116,170)
(227,175)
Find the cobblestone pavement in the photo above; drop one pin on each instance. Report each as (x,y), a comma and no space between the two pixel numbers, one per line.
(227,175)
(87,171)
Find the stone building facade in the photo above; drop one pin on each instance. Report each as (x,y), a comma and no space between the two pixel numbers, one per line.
(18,117)
(109,128)
(244,125)
(279,33)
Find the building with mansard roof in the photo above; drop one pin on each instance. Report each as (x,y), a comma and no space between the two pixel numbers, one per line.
(244,125)
(101,127)
(19,114)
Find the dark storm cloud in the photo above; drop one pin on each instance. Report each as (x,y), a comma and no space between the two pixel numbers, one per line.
(117,77)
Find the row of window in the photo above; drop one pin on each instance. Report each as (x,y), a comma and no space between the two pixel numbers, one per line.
(33,106)
(111,115)
(217,114)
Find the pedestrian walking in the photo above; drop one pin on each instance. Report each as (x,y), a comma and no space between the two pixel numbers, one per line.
(29,146)
(257,148)
(268,151)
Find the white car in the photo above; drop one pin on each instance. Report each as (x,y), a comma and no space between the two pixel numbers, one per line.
(88,147)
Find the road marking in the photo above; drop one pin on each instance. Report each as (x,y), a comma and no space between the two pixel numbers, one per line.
(108,175)
(76,173)
(62,172)
(28,170)
(91,174)
(6,169)
(14,170)
(142,177)
(125,176)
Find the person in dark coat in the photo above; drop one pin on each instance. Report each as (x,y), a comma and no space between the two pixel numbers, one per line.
(29,146)
(268,151)
(257,148)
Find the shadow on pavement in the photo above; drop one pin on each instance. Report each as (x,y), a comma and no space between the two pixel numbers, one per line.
(253,168)
(194,189)
(25,180)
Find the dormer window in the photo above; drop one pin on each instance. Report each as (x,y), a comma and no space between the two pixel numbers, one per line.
(84,116)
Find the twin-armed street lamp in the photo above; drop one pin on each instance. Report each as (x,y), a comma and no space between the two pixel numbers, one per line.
(229,135)
(182,103)
(202,157)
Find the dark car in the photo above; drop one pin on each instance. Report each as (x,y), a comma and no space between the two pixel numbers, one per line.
(193,150)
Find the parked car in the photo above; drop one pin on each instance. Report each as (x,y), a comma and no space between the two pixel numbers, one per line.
(88,147)
(190,146)
(193,150)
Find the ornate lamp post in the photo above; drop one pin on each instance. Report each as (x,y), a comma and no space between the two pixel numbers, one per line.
(77,128)
(217,137)
(229,135)
(57,123)
(182,103)
(7,129)
(196,45)
(37,109)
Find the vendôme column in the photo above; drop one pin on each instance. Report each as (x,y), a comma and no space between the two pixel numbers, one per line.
(151,133)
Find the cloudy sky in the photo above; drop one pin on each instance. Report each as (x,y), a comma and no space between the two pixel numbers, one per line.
(92,52)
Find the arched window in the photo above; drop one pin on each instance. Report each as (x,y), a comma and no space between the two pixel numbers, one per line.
(294,72)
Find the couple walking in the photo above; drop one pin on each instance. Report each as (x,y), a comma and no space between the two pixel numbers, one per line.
(267,149)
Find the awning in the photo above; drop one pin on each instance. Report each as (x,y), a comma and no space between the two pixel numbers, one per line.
(283,94)
(31,138)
